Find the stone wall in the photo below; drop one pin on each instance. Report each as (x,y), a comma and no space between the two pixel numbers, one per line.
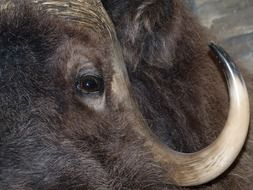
(231,21)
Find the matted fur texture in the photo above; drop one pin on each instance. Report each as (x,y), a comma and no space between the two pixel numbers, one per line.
(49,140)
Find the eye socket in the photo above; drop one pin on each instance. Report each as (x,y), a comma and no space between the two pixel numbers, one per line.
(89,84)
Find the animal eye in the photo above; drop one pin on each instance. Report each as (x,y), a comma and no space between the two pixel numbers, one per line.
(87,84)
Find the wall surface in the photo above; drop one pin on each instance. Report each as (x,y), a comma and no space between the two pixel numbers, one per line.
(231,21)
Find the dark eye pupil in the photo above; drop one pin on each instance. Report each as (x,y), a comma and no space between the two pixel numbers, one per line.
(90,84)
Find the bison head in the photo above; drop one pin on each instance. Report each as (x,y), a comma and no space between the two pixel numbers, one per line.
(68,113)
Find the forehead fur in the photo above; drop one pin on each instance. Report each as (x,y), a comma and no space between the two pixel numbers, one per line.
(31,31)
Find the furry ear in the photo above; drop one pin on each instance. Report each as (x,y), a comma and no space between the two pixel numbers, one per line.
(147,12)
(151,30)
(139,25)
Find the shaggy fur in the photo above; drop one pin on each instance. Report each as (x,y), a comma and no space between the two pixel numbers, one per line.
(164,48)
(49,140)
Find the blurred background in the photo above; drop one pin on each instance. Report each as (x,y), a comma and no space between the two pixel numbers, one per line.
(231,21)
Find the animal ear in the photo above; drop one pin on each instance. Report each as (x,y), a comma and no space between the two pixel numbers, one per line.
(151,30)
(145,13)
(141,27)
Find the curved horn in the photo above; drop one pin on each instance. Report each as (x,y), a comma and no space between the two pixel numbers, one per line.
(190,169)
(184,169)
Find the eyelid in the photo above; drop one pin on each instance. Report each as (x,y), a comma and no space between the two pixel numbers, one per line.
(89,71)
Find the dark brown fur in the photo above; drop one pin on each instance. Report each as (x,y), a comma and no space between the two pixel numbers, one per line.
(168,50)
(49,140)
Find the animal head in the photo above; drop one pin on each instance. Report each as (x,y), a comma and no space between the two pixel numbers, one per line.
(72,113)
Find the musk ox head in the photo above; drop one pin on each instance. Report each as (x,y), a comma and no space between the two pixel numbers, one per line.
(69,115)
